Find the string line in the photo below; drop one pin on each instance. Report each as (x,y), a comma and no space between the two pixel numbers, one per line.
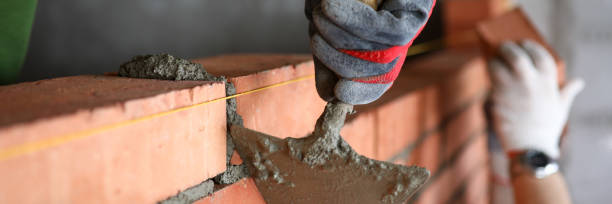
(35,146)
(31,147)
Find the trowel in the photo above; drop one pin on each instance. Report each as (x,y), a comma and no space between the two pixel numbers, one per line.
(322,167)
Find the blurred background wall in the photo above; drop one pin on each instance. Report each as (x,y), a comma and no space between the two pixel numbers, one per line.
(92,36)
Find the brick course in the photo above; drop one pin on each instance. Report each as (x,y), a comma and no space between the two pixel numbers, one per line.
(287,111)
(241,192)
(143,162)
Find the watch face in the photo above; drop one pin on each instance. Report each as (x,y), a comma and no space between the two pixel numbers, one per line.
(537,159)
(539,163)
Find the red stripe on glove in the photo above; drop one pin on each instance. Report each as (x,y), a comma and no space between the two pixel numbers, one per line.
(386,56)
(378,56)
(387,77)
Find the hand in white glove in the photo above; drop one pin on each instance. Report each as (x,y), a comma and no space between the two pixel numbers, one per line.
(529,110)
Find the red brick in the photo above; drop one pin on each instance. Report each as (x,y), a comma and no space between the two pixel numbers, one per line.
(143,162)
(360,133)
(465,169)
(235,160)
(477,189)
(437,191)
(462,15)
(514,26)
(464,86)
(241,192)
(473,171)
(398,125)
(431,114)
(460,129)
(455,97)
(287,111)
(457,100)
(427,154)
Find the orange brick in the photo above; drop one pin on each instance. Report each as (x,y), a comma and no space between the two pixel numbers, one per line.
(465,85)
(287,111)
(431,114)
(143,162)
(465,168)
(514,26)
(477,189)
(437,190)
(235,160)
(427,153)
(241,192)
(460,129)
(458,103)
(360,133)
(473,158)
(462,15)
(472,170)
(452,98)
(397,125)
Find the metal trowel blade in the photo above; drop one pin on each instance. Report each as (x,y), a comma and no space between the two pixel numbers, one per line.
(282,176)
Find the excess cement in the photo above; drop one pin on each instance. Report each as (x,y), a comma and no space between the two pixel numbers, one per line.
(168,67)
(192,194)
(323,168)
(233,173)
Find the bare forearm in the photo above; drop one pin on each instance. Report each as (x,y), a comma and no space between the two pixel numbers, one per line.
(552,189)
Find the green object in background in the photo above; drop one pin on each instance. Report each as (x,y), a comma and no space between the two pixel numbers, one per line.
(16,17)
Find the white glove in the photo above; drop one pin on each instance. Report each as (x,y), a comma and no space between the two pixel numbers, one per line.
(529,110)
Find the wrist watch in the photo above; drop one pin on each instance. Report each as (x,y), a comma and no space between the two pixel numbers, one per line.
(533,162)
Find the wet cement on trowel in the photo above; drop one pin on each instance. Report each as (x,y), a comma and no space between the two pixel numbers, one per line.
(323,168)
(168,67)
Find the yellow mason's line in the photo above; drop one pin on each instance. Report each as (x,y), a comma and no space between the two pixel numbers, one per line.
(35,146)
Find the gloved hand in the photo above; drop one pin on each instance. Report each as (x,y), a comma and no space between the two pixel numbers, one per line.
(529,110)
(358,51)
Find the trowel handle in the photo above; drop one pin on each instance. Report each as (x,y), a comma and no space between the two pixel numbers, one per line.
(371,3)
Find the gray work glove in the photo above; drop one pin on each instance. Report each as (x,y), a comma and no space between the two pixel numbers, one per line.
(358,51)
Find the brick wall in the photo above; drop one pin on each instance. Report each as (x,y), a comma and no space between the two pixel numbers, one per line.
(432,117)
(66,140)
(106,139)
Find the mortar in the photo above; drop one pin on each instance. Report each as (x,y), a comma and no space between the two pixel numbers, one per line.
(322,167)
